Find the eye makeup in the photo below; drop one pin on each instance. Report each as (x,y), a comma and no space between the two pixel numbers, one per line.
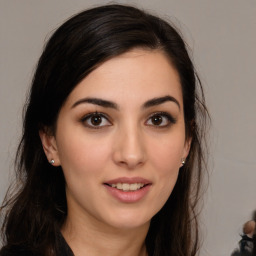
(96,120)
(99,120)
(160,120)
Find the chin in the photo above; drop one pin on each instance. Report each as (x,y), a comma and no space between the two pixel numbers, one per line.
(129,220)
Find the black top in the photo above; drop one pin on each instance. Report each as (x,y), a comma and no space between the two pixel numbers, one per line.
(245,247)
(62,247)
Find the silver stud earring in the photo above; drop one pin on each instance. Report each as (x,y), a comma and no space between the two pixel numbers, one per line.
(52,161)
(183,161)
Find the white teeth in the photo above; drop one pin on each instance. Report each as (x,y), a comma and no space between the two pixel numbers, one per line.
(127,187)
(119,185)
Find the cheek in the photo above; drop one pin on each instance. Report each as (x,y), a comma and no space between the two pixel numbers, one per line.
(166,156)
(82,154)
(82,163)
(166,160)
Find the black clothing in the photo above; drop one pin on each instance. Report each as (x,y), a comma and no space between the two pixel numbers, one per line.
(62,249)
(245,247)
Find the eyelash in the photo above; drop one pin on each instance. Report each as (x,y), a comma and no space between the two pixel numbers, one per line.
(163,115)
(85,119)
(169,119)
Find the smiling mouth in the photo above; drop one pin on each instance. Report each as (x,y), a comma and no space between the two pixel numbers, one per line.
(127,187)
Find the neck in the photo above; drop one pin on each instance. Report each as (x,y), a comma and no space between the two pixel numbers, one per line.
(95,239)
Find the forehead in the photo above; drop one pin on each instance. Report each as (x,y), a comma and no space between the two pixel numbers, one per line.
(135,76)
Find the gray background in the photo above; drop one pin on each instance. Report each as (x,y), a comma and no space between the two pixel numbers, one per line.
(222,37)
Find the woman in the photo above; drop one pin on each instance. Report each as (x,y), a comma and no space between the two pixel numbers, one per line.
(111,157)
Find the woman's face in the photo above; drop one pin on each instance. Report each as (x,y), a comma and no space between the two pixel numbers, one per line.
(120,139)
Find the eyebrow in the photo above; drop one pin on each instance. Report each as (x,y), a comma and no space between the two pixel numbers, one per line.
(161,100)
(97,101)
(110,104)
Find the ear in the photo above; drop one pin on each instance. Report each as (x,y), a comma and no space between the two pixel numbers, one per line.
(186,149)
(50,147)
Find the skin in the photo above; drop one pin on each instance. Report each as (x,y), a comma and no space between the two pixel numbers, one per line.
(249,228)
(127,143)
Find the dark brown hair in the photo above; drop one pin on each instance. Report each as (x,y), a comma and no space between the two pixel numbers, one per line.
(35,214)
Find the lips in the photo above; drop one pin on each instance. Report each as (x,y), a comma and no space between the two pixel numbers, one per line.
(128,190)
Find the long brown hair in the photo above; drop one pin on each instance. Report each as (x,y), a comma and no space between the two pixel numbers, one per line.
(35,214)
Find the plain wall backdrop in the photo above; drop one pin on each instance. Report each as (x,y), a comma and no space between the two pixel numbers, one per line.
(222,36)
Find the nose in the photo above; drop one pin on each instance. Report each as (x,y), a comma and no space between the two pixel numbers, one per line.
(129,150)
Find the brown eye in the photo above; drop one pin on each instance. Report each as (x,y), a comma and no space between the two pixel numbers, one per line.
(96,121)
(156,120)
(160,120)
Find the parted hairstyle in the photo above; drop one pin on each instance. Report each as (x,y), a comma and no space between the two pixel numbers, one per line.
(35,213)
